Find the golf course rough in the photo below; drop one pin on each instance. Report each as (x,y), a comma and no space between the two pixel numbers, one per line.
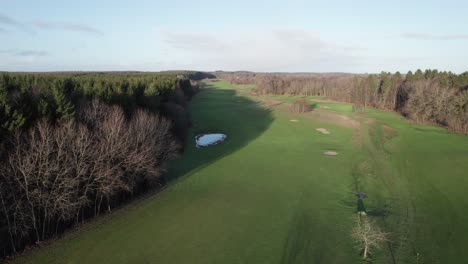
(270,195)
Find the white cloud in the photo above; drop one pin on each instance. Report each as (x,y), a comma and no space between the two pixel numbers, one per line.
(67,26)
(31,53)
(24,53)
(7,24)
(273,50)
(424,36)
(6,20)
(21,59)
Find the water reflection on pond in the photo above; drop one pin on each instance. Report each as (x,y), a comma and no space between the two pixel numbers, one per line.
(204,140)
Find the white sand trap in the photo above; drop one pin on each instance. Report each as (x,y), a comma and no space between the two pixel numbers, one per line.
(204,140)
(294,120)
(323,131)
(330,153)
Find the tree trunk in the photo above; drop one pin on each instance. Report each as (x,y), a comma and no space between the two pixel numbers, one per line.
(108,205)
(9,225)
(99,205)
(34,219)
(56,227)
(44,223)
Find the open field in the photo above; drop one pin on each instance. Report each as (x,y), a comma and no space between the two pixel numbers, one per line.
(269,194)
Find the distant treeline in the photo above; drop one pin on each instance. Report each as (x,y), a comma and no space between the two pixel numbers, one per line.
(426,97)
(75,144)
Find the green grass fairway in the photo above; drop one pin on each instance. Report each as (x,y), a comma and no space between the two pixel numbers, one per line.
(269,195)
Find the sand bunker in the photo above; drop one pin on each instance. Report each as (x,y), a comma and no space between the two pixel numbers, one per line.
(204,140)
(330,153)
(323,131)
(294,120)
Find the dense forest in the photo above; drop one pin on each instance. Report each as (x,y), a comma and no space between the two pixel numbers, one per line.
(430,97)
(73,145)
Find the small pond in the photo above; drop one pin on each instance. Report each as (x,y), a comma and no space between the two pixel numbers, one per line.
(204,140)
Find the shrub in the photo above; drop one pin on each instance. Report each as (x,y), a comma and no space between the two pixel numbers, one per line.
(300,106)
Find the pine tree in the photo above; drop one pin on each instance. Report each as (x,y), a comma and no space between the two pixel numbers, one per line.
(418,75)
(64,107)
(409,76)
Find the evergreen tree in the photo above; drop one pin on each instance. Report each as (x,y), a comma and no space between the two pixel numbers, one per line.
(418,75)
(409,76)
(61,89)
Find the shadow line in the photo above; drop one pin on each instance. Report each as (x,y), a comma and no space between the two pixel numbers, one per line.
(218,110)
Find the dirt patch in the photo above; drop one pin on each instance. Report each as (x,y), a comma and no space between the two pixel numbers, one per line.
(323,131)
(334,118)
(211,80)
(357,139)
(330,153)
(389,132)
(324,107)
(327,101)
(270,103)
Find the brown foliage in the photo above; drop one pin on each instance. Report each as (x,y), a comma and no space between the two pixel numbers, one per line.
(422,100)
(300,106)
(332,86)
(428,102)
(56,174)
(240,78)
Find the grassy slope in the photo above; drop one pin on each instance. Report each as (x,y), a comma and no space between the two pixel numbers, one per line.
(269,195)
(432,166)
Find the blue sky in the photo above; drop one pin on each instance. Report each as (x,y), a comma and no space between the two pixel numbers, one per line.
(293,35)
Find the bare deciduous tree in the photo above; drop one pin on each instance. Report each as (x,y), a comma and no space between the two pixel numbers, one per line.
(435,100)
(300,106)
(57,173)
(368,236)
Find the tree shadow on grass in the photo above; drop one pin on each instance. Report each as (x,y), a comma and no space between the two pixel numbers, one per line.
(298,244)
(216,110)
